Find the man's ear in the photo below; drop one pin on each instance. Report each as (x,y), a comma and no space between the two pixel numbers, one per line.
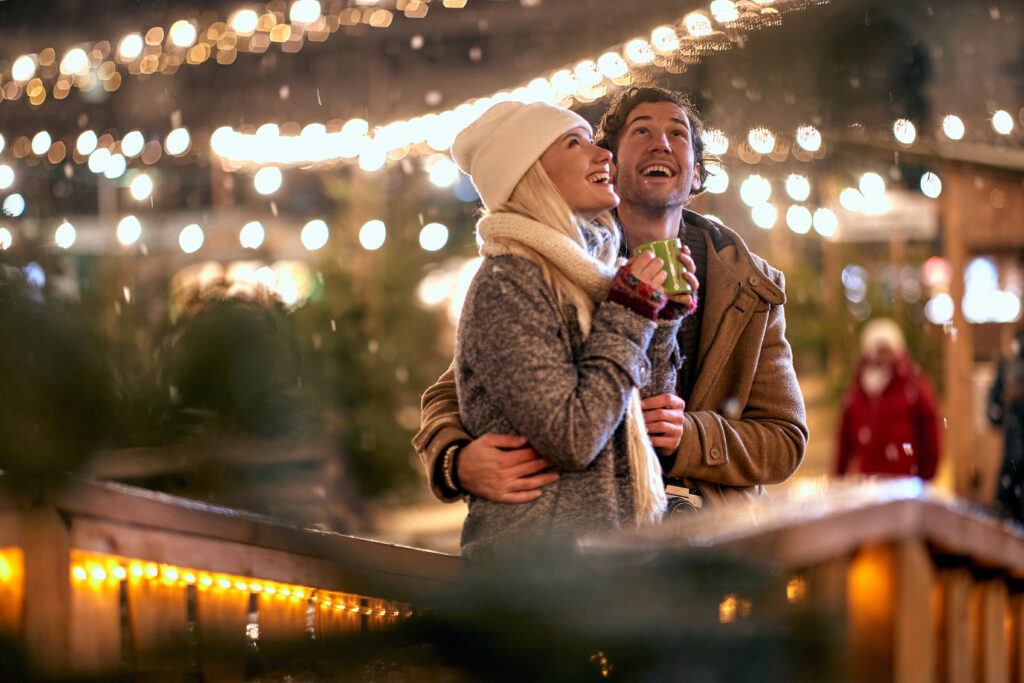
(695,184)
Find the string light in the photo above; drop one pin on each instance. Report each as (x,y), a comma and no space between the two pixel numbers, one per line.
(24,68)
(761,140)
(904,131)
(931,185)
(808,138)
(6,239)
(6,176)
(1002,122)
(141,187)
(698,25)
(65,235)
(129,229)
(372,235)
(86,143)
(314,235)
(953,127)
(798,187)
(825,222)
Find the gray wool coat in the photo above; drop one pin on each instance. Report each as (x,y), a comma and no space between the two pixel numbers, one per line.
(521,368)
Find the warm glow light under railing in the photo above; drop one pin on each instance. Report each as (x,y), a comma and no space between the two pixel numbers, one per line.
(97,572)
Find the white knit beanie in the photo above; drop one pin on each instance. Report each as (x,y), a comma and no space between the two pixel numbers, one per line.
(880,332)
(498,148)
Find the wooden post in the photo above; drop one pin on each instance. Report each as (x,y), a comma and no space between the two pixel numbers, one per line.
(993,661)
(47,616)
(958,356)
(955,664)
(221,618)
(95,624)
(159,623)
(914,631)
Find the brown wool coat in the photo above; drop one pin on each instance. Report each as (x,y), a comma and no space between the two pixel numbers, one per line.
(746,425)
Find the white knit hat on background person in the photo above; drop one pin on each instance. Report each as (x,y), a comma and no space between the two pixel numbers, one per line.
(879,332)
(498,148)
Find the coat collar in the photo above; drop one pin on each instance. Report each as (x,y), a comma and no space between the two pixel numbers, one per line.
(746,269)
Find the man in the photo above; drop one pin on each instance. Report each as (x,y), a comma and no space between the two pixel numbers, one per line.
(738,420)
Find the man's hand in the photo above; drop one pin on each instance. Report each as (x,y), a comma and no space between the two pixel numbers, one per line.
(503,468)
(663,415)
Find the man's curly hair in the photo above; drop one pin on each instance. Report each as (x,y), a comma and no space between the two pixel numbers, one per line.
(614,120)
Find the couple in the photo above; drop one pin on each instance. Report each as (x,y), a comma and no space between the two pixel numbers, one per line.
(555,342)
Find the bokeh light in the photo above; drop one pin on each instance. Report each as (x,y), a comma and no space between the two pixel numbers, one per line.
(372,235)
(715,142)
(268,180)
(24,68)
(872,185)
(129,230)
(953,127)
(904,131)
(931,185)
(304,11)
(131,46)
(698,25)
(314,234)
(116,166)
(41,142)
(6,176)
(182,33)
(1002,122)
(190,239)
(444,173)
(755,190)
(6,239)
(141,187)
(851,199)
(433,236)
(86,143)
(177,142)
(798,187)
(99,159)
(664,39)
(939,309)
(724,11)
(764,215)
(65,235)
(808,138)
(717,181)
(251,235)
(245,21)
(75,61)
(825,222)
(132,144)
(761,140)
(14,205)
(799,219)
(639,51)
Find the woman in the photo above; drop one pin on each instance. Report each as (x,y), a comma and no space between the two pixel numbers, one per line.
(555,341)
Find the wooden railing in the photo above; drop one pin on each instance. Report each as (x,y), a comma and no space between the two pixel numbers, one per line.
(99,578)
(925,586)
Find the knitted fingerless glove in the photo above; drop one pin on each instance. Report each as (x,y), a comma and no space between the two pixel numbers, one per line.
(629,291)
(674,310)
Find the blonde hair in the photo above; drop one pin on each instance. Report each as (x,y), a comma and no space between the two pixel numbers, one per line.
(537,197)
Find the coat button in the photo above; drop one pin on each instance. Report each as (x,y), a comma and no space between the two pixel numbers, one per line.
(716,454)
(754,280)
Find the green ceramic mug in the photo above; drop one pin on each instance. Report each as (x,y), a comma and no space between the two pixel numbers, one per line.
(668,252)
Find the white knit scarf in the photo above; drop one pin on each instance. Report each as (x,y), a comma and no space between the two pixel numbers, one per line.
(501,233)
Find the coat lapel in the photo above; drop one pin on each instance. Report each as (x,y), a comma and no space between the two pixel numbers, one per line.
(732,305)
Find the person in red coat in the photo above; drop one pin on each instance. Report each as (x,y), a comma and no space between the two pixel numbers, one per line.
(890,425)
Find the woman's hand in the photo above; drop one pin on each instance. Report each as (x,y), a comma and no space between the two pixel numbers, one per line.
(647,268)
